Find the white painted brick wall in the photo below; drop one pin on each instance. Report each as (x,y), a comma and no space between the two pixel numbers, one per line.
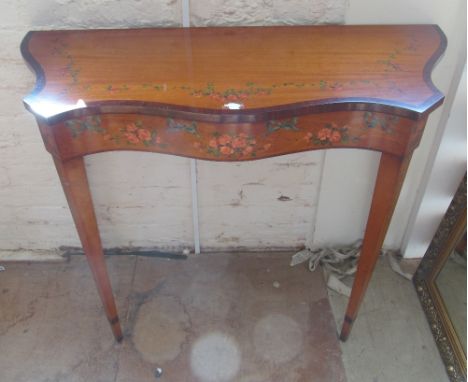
(261,204)
(33,209)
(144,199)
(267,12)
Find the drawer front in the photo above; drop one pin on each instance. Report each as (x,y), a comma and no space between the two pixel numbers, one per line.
(232,142)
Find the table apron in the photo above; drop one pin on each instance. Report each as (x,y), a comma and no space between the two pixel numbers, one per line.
(77,137)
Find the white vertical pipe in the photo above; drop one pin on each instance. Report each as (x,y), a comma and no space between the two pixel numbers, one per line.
(310,234)
(196,229)
(185,13)
(193,162)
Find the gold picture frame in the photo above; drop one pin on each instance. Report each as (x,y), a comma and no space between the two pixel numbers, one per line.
(450,231)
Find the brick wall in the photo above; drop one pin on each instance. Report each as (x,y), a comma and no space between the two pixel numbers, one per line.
(145,199)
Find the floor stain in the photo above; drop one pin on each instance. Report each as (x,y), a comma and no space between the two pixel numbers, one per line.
(157,325)
(160,330)
(21,318)
(277,338)
(215,357)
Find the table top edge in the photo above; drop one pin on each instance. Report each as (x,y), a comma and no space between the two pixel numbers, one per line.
(411,111)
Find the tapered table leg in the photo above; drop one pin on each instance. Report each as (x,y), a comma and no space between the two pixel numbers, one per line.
(75,184)
(390,177)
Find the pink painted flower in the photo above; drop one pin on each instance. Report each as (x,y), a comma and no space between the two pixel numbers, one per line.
(308,136)
(226,150)
(335,136)
(239,143)
(324,134)
(213,143)
(158,140)
(224,139)
(132,138)
(131,127)
(248,150)
(267,146)
(144,135)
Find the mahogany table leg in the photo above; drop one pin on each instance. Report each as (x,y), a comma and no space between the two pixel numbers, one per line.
(75,184)
(390,177)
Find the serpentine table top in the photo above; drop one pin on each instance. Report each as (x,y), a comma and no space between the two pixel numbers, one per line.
(233,94)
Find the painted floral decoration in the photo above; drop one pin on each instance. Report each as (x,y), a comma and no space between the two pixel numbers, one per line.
(230,94)
(289,124)
(390,62)
(135,133)
(78,126)
(385,123)
(328,135)
(190,127)
(232,145)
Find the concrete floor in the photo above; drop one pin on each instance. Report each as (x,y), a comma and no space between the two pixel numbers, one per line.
(391,340)
(214,318)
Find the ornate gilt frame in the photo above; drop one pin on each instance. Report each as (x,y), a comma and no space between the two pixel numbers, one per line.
(450,231)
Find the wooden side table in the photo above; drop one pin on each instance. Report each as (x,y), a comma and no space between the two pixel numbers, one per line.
(233,94)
